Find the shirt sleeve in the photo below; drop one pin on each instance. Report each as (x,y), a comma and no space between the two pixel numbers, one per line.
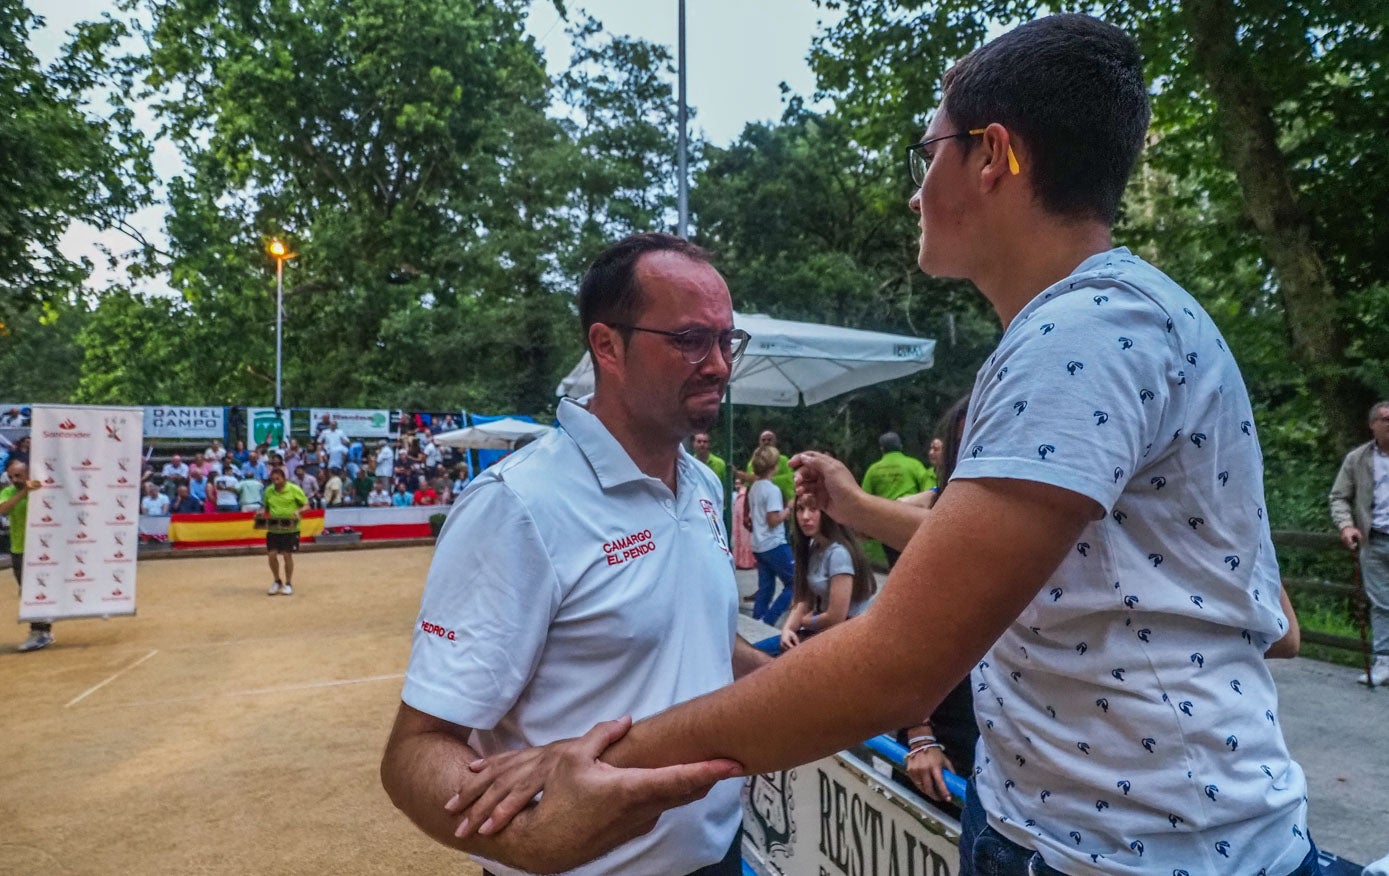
(838,561)
(1075,396)
(489,599)
(773,500)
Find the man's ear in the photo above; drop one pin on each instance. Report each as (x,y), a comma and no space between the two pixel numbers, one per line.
(607,347)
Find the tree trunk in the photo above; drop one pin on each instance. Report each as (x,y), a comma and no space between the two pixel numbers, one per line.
(1250,141)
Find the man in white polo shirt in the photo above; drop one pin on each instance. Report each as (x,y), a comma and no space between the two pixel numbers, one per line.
(555,602)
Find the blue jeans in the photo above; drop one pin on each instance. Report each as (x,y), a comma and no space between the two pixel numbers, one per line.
(771,565)
(986,852)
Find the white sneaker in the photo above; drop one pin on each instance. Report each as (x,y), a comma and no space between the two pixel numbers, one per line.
(37,639)
(277,587)
(288,590)
(1379,672)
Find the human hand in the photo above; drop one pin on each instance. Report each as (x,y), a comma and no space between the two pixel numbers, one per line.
(588,807)
(825,481)
(31,486)
(1351,538)
(925,769)
(789,639)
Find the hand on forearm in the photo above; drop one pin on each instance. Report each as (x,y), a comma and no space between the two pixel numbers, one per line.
(423,768)
(589,807)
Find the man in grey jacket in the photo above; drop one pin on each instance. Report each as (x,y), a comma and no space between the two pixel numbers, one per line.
(1360,510)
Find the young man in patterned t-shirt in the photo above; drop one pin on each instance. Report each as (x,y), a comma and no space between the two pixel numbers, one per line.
(1102,559)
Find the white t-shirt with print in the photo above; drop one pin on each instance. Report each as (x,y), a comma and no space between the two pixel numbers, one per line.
(764,497)
(1129,724)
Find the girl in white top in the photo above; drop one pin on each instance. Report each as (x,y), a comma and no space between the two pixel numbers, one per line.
(833,580)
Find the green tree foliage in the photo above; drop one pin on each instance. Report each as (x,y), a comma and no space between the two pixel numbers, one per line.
(61,159)
(40,360)
(131,352)
(394,144)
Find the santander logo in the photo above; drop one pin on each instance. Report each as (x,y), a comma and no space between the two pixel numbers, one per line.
(67,424)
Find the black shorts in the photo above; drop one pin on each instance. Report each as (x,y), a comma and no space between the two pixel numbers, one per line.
(281,542)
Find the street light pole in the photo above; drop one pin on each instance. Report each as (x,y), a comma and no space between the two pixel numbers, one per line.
(281,253)
(683,196)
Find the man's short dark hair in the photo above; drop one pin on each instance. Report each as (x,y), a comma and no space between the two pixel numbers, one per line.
(889,441)
(609,292)
(1071,87)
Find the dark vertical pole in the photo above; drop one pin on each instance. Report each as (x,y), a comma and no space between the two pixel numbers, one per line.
(682,228)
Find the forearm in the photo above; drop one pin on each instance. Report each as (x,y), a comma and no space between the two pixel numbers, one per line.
(746,658)
(889,521)
(790,692)
(899,659)
(8,505)
(796,618)
(421,771)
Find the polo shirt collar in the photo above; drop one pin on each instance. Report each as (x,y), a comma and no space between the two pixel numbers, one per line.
(610,462)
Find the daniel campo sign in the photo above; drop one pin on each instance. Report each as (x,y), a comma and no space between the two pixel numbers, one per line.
(185,422)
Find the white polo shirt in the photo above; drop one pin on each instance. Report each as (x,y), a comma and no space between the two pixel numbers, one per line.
(1129,723)
(569,588)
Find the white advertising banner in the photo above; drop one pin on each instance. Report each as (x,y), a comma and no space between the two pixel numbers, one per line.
(185,422)
(266,426)
(355,423)
(83,523)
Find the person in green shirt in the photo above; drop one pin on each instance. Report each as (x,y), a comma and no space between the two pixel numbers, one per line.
(284,503)
(702,444)
(14,501)
(894,476)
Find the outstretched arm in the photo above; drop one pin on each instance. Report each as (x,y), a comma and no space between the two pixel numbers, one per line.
(980,558)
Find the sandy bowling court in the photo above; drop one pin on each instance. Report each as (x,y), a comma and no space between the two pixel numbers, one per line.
(219,731)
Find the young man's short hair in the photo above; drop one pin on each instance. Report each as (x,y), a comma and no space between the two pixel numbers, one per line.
(609,292)
(1071,87)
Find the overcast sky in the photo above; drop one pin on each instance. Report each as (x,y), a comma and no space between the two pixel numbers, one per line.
(739,53)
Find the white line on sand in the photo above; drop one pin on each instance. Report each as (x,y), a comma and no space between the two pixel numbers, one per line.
(260,691)
(96,687)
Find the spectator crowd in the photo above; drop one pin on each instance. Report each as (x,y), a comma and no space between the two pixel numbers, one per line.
(332,469)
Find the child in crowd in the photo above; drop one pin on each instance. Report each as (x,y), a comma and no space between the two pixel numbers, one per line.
(833,581)
(768,512)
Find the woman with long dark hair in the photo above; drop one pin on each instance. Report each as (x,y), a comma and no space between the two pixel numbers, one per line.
(833,581)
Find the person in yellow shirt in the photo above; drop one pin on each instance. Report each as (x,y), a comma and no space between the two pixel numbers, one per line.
(14,501)
(896,475)
(284,504)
